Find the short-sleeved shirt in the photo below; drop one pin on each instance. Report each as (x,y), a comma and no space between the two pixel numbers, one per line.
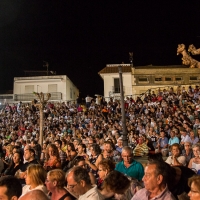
(173,140)
(135,170)
(163,142)
(144,194)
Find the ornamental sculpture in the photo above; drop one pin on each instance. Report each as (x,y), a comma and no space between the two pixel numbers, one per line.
(187,59)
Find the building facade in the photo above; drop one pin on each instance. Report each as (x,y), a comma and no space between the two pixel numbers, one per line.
(60,87)
(139,79)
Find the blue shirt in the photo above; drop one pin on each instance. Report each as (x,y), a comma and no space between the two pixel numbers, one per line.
(173,141)
(135,170)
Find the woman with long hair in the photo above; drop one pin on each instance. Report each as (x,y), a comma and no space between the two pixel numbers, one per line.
(35,178)
(54,159)
(82,150)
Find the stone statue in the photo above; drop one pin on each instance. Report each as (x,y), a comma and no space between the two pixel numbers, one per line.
(187,59)
(193,50)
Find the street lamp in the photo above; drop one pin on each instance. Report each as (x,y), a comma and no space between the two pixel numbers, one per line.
(124,138)
(42,102)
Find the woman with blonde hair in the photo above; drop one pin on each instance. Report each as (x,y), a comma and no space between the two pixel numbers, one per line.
(35,178)
(55,183)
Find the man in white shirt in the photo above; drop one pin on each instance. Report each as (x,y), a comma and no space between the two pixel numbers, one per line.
(79,184)
(88,101)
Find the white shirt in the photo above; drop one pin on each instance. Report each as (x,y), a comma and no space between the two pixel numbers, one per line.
(181,159)
(26,189)
(92,194)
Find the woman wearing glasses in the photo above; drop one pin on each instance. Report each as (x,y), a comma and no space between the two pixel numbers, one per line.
(55,183)
(105,167)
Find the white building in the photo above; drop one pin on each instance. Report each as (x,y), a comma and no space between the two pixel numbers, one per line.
(60,87)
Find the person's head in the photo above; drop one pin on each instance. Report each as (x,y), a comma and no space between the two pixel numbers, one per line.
(194,184)
(172,134)
(120,142)
(183,132)
(116,182)
(9,149)
(196,149)
(81,148)
(105,167)
(155,175)
(17,157)
(10,188)
(108,147)
(175,149)
(95,149)
(15,149)
(78,181)
(70,147)
(127,154)
(140,140)
(192,135)
(55,179)
(79,161)
(33,143)
(187,145)
(53,150)
(58,143)
(34,195)
(35,175)
(29,154)
(162,134)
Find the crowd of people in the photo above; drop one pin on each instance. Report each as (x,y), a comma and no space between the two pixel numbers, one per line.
(83,156)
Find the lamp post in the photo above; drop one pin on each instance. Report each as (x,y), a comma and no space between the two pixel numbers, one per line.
(124,138)
(42,102)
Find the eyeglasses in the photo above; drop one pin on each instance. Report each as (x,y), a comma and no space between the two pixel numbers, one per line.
(71,186)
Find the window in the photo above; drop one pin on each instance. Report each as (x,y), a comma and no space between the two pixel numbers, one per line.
(168,79)
(29,88)
(193,78)
(52,88)
(116,85)
(143,79)
(158,79)
(178,78)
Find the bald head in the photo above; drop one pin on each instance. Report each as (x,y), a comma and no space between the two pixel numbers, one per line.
(34,195)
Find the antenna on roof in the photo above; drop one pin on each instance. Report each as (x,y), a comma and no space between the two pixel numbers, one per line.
(46,64)
(131,58)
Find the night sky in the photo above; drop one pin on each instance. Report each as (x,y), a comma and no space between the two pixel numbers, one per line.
(78,38)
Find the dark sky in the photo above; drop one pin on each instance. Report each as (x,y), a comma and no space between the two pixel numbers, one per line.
(78,38)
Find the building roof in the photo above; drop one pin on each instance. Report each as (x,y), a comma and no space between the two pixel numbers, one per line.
(114,69)
(127,68)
